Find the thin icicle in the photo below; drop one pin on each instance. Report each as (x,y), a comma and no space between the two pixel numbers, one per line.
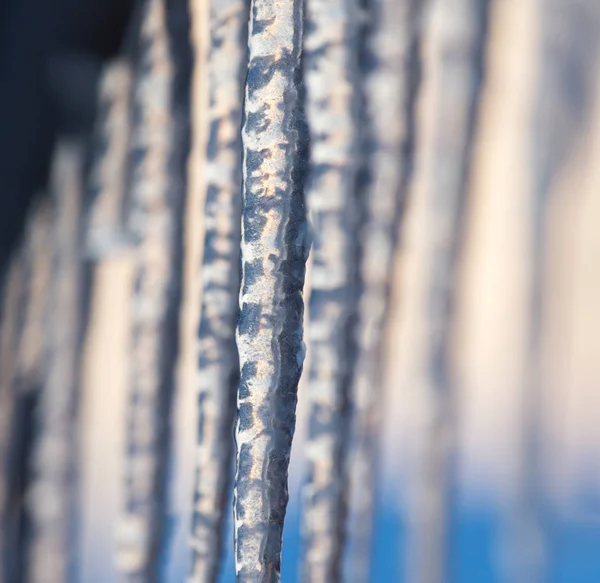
(331,54)
(453,49)
(156,201)
(27,378)
(218,371)
(390,85)
(105,222)
(11,294)
(274,251)
(38,250)
(51,493)
(151,358)
(569,56)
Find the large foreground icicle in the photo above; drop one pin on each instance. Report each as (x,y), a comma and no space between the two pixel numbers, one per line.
(218,366)
(159,143)
(331,69)
(274,250)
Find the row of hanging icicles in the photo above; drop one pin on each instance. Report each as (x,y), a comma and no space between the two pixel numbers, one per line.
(308,110)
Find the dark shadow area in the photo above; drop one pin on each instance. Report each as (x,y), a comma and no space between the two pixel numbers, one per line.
(50,56)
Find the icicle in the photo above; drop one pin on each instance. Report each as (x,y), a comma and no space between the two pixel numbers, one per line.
(274,251)
(38,250)
(453,57)
(390,83)
(12,296)
(332,108)
(28,372)
(51,493)
(568,53)
(159,143)
(218,364)
(105,222)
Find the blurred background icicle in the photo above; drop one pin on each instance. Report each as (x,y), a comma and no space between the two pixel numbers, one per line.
(38,248)
(106,230)
(390,82)
(12,296)
(29,374)
(274,252)
(453,48)
(158,154)
(331,72)
(217,361)
(51,489)
(567,75)
(22,366)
